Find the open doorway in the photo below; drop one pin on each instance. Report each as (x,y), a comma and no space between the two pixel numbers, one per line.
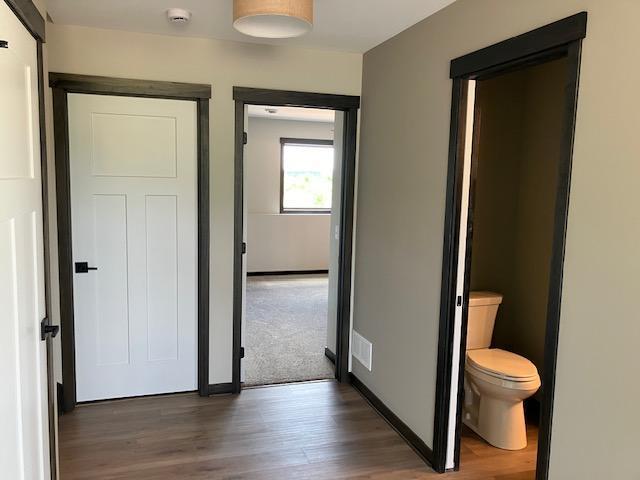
(292,200)
(513,119)
(301,316)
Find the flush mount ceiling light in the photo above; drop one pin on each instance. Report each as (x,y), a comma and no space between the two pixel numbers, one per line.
(273,18)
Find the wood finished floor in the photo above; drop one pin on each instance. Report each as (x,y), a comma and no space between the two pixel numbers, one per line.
(319,430)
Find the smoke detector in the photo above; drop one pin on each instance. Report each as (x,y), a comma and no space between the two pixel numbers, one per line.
(178,15)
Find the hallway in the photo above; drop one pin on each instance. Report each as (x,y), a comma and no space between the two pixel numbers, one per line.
(318,430)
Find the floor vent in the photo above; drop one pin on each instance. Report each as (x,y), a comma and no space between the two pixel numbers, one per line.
(361,349)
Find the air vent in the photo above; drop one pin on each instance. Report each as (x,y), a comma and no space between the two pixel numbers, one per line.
(361,349)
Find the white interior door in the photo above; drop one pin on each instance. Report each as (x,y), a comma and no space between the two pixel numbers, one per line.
(24,441)
(134,218)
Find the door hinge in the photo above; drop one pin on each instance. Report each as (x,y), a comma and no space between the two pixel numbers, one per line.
(244,138)
(241,352)
(47,329)
(244,247)
(459,301)
(4,44)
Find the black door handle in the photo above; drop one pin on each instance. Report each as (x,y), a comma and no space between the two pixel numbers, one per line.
(47,329)
(83,267)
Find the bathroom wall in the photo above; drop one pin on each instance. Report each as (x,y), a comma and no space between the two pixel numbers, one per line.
(520,132)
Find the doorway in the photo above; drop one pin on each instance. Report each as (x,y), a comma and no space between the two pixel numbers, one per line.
(292,169)
(488,227)
(136,323)
(341,219)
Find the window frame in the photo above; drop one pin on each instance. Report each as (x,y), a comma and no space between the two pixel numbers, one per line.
(300,141)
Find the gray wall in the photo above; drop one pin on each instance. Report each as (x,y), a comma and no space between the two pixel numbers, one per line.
(406,97)
(518,155)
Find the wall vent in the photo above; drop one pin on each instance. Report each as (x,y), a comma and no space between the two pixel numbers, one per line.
(361,349)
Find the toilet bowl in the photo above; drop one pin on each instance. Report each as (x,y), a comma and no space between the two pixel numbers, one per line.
(496,382)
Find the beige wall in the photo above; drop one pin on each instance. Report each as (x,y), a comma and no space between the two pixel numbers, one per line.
(403,153)
(222,64)
(275,241)
(518,156)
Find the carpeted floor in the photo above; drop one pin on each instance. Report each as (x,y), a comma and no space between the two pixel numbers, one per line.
(286,329)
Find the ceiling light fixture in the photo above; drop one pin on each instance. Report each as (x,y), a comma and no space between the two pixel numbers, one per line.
(273,18)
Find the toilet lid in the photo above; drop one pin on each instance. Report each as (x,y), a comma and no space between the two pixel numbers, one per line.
(503,364)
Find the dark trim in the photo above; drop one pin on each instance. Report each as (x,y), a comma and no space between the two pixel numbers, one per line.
(574,56)
(30,17)
(220,388)
(288,98)
(62,85)
(60,397)
(544,38)
(287,272)
(299,141)
(349,105)
(345,247)
(560,39)
(448,282)
(204,219)
(238,245)
(330,355)
(65,255)
(129,87)
(305,141)
(46,240)
(409,436)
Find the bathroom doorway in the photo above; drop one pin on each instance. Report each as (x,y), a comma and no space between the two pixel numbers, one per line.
(513,117)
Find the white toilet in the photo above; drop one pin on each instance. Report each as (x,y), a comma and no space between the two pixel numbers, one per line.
(496,382)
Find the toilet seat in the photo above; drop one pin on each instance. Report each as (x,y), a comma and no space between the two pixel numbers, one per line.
(501,365)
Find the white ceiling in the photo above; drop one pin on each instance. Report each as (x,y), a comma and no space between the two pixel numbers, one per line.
(347,25)
(292,113)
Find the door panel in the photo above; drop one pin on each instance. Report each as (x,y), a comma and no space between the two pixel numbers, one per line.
(24,441)
(112,286)
(134,218)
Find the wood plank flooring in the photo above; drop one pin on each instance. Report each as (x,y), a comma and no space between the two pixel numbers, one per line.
(319,430)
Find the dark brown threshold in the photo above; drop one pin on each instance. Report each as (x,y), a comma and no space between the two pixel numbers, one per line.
(220,388)
(414,441)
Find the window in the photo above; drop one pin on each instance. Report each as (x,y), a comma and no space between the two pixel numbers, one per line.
(307,176)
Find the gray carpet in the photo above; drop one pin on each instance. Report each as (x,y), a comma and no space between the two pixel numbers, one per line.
(286,329)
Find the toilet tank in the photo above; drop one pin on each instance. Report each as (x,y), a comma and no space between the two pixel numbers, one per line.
(483,307)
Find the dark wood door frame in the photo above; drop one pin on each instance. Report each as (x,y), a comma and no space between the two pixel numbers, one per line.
(349,105)
(559,39)
(62,84)
(30,17)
